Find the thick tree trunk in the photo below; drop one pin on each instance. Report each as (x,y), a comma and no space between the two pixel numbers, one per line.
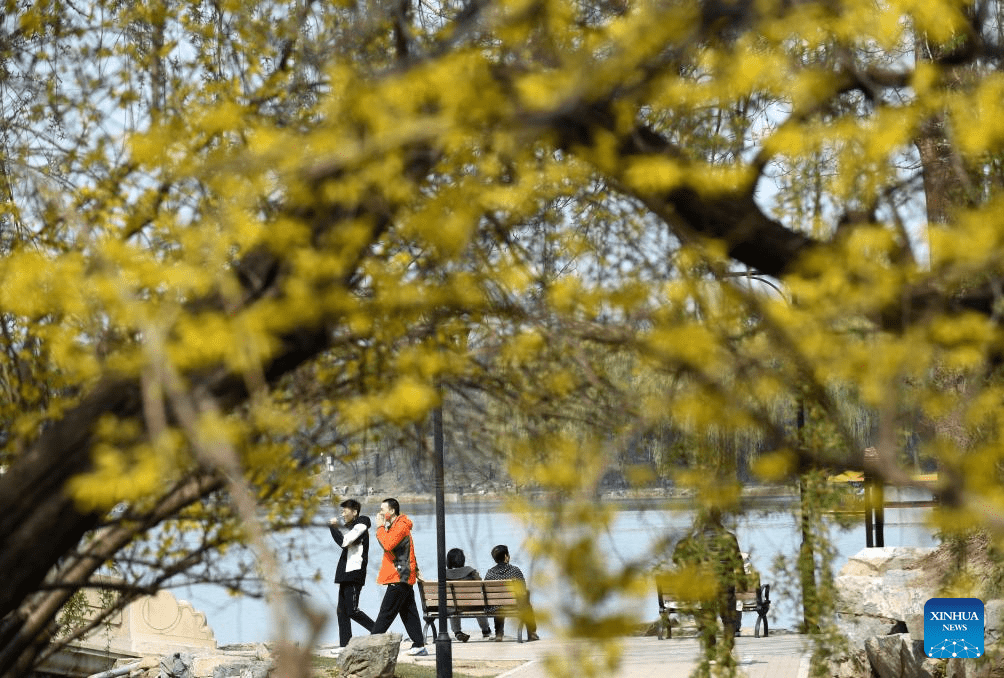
(40,523)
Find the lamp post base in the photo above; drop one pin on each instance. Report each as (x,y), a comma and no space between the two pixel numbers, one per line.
(444,656)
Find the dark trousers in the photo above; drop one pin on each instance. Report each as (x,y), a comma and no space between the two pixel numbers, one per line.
(348,611)
(482,622)
(725,608)
(399,599)
(525,616)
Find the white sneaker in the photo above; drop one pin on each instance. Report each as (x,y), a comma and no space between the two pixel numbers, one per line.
(418,652)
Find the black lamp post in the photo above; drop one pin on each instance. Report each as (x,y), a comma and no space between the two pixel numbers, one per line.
(444,650)
(874,502)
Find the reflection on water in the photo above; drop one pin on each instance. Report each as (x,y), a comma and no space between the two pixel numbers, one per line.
(310,556)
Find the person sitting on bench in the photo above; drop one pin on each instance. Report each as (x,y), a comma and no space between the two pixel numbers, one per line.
(503,570)
(455,569)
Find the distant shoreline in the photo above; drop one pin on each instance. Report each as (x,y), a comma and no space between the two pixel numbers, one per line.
(753,498)
(644,500)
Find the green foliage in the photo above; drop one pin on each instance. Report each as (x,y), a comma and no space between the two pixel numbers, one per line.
(74,613)
(82,608)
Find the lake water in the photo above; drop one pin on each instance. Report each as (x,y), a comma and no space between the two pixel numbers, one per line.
(309,557)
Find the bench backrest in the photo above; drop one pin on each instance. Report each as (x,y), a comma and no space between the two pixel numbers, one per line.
(665,581)
(465,595)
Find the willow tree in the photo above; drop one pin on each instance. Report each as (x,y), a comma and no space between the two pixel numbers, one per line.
(204,201)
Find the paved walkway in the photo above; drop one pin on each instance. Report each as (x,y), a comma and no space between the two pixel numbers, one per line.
(778,656)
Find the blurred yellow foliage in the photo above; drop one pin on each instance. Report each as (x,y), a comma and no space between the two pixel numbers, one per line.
(615,243)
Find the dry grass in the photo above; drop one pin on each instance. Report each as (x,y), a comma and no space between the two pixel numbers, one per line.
(972,562)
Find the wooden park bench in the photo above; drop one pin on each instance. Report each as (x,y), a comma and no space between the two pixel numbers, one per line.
(756,599)
(470,598)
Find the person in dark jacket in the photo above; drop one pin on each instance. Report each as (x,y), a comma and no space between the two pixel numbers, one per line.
(455,569)
(350,575)
(503,570)
(714,552)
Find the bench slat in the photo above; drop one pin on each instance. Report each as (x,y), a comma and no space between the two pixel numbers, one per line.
(474,605)
(471,599)
(471,593)
(433,613)
(467,598)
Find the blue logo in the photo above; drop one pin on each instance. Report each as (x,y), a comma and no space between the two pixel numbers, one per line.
(953,627)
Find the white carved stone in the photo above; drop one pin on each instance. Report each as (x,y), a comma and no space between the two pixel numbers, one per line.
(158,624)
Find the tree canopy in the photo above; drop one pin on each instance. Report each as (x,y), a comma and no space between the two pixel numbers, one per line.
(226,223)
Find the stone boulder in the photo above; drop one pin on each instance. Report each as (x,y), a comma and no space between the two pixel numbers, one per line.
(883,590)
(854,665)
(373,656)
(986,666)
(994,624)
(252,660)
(881,594)
(177,665)
(244,669)
(899,656)
(880,609)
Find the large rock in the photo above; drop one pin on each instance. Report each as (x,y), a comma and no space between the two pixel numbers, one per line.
(994,624)
(984,667)
(373,656)
(883,590)
(177,665)
(872,562)
(253,660)
(881,594)
(244,669)
(885,583)
(915,626)
(850,666)
(899,656)
(858,628)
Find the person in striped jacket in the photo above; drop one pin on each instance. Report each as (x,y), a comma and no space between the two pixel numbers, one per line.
(503,570)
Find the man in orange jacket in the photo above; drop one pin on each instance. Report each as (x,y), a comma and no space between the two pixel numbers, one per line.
(399,571)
